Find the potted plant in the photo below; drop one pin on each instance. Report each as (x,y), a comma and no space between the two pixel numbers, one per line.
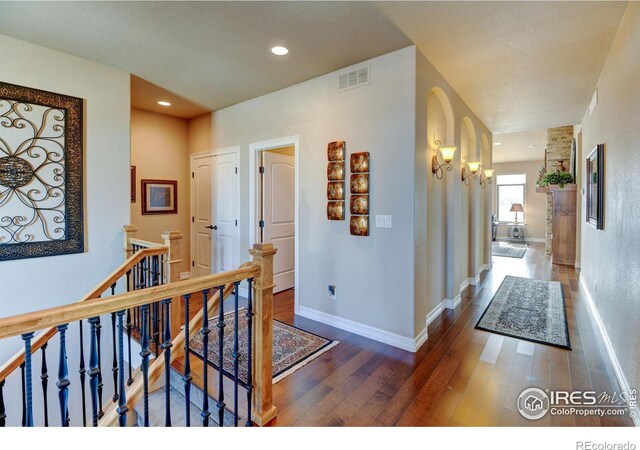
(557,177)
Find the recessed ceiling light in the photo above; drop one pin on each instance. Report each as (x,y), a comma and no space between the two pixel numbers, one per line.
(279,50)
(164,103)
(497,143)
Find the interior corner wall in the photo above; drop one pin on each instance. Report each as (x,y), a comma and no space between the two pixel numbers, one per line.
(37,283)
(200,134)
(159,150)
(610,265)
(535,203)
(373,275)
(435,281)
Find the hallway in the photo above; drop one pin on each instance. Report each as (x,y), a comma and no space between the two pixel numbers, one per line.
(460,377)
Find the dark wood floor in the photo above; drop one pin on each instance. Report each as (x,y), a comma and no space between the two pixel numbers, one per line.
(362,382)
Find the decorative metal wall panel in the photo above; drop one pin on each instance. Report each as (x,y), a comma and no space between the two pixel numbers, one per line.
(40,173)
(359,203)
(335,177)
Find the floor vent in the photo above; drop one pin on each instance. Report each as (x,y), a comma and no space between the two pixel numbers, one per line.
(354,78)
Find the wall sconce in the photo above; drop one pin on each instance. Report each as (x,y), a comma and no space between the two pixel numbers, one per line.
(447,156)
(473,170)
(485,178)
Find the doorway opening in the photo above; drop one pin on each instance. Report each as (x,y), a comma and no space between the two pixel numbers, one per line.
(274,212)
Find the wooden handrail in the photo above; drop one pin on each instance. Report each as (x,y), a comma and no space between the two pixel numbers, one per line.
(24,323)
(14,362)
(145,244)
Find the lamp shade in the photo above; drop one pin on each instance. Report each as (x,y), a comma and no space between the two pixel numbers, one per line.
(488,173)
(517,207)
(447,153)
(474,166)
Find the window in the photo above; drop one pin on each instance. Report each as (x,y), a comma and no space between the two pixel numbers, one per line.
(510,190)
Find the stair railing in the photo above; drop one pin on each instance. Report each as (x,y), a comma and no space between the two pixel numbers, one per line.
(212,288)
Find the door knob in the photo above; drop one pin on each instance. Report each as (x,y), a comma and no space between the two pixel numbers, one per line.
(212,227)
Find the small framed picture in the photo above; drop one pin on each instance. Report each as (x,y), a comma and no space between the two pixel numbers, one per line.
(133,184)
(159,197)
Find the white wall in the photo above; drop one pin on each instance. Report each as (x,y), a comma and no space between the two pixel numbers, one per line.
(610,257)
(32,284)
(373,275)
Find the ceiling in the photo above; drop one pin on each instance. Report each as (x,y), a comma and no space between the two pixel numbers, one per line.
(146,95)
(519,146)
(518,65)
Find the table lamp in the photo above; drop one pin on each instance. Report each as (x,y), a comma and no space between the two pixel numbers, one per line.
(516,208)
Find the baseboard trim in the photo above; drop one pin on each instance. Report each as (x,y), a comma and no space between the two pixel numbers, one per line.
(485,267)
(577,264)
(433,315)
(386,337)
(529,239)
(595,316)
(452,303)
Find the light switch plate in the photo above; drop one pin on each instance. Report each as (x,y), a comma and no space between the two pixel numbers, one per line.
(383,221)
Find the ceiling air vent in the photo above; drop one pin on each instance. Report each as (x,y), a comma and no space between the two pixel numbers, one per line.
(353,78)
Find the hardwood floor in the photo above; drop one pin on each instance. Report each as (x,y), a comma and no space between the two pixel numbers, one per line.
(460,377)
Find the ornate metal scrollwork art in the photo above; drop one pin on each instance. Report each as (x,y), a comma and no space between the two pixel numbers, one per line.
(40,173)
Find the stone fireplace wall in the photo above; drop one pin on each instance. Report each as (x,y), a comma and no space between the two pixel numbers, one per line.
(558,150)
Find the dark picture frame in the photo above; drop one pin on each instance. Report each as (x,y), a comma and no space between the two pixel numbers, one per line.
(159,197)
(56,147)
(133,184)
(595,188)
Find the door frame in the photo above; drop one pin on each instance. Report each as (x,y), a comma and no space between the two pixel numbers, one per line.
(212,153)
(254,152)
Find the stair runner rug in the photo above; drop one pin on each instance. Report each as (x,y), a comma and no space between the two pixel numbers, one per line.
(508,250)
(533,310)
(292,347)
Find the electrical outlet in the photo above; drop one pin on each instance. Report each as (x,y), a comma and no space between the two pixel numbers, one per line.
(332,291)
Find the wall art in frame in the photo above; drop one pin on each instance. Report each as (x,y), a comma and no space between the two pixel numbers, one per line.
(159,197)
(595,187)
(41,170)
(132,186)
(335,180)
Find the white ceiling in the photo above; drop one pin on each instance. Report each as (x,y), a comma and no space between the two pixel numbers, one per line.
(519,146)
(519,65)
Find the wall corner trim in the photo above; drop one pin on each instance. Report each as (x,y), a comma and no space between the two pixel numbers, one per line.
(597,322)
(386,337)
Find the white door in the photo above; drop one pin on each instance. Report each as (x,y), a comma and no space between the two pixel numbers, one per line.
(201,173)
(278,203)
(225,213)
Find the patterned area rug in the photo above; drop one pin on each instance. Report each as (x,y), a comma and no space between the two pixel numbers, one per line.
(508,250)
(528,309)
(292,347)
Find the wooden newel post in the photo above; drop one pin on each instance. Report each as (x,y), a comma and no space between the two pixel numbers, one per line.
(173,261)
(129,232)
(263,409)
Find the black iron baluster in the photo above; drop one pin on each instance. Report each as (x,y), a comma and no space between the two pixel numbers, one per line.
(26,337)
(221,326)
(205,352)
(94,370)
(63,376)
(3,414)
(82,371)
(128,327)
(166,346)
(187,364)
(114,363)
(162,279)
(98,334)
(122,404)
(156,320)
(249,349)
(24,395)
(236,350)
(44,376)
(144,329)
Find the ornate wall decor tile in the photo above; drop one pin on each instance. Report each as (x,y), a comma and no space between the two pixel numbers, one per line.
(335,210)
(335,171)
(335,151)
(359,225)
(40,173)
(335,190)
(360,162)
(336,177)
(359,204)
(360,183)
